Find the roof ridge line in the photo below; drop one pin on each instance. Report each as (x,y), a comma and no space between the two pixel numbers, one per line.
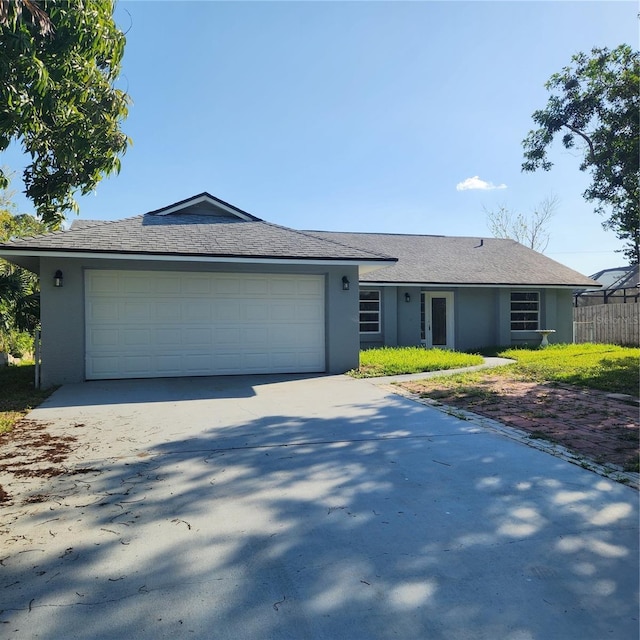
(310,234)
(409,235)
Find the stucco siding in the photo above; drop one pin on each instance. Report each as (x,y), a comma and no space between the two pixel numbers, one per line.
(342,325)
(62,320)
(390,316)
(476,318)
(559,314)
(408,315)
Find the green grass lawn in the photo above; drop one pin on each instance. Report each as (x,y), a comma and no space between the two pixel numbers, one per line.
(597,366)
(17,394)
(388,361)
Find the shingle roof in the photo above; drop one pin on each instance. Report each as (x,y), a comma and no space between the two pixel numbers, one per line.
(85,224)
(445,260)
(194,234)
(205,227)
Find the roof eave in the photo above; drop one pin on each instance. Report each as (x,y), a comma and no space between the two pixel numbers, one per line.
(527,285)
(190,257)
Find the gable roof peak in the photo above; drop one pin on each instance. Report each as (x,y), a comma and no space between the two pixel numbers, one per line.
(204,204)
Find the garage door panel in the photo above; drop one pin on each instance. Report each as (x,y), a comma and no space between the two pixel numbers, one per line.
(283,288)
(196,363)
(197,336)
(311,288)
(255,312)
(137,285)
(100,338)
(227,363)
(226,311)
(135,337)
(166,335)
(309,361)
(228,285)
(103,367)
(168,284)
(136,365)
(255,361)
(308,312)
(310,337)
(227,337)
(169,365)
(253,286)
(103,282)
(148,324)
(166,311)
(136,312)
(283,335)
(199,284)
(103,311)
(253,337)
(282,313)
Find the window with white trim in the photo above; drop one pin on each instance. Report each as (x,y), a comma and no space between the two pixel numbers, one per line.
(525,310)
(369,311)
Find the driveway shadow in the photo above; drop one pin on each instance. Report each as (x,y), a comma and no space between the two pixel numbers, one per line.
(376,519)
(142,391)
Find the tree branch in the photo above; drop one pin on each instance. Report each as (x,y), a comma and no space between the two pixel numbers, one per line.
(584,136)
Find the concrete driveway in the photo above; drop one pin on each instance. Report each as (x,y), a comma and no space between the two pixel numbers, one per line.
(268,508)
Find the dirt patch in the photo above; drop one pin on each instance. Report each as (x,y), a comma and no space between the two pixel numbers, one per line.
(603,429)
(29,450)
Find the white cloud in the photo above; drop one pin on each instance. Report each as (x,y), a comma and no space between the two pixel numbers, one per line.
(476,183)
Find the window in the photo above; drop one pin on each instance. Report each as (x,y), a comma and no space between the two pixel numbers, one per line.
(525,310)
(369,311)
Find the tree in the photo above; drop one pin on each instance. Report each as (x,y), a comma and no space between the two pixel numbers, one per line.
(529,230)
(19,301)
(595,103)
(58,64)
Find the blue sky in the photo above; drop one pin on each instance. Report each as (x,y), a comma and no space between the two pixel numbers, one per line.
(355,116)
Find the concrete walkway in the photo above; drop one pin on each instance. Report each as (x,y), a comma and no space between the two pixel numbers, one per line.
(274,508)
(489,363)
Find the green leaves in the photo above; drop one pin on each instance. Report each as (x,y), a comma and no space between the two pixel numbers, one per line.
(19,302)
(62,106)
(595,106)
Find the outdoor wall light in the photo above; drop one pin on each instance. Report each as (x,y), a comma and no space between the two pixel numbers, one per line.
(345,283)
(57,278)
(407,297)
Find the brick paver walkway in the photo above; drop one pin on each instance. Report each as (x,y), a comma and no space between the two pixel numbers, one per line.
(589,422)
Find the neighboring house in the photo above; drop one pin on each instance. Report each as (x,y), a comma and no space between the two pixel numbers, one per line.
(203,288)
(617,285)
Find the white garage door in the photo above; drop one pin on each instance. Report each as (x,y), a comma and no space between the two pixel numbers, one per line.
(142,324)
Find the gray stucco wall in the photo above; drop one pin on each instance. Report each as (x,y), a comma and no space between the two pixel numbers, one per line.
(63,321)
(408,315)
(476,317)
(482,317)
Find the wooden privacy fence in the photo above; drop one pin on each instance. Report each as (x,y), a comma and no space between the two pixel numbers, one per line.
(607,323)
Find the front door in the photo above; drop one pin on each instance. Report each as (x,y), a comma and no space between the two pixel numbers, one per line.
(437,328)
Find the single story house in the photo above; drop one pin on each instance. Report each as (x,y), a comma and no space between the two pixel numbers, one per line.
(201,287)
